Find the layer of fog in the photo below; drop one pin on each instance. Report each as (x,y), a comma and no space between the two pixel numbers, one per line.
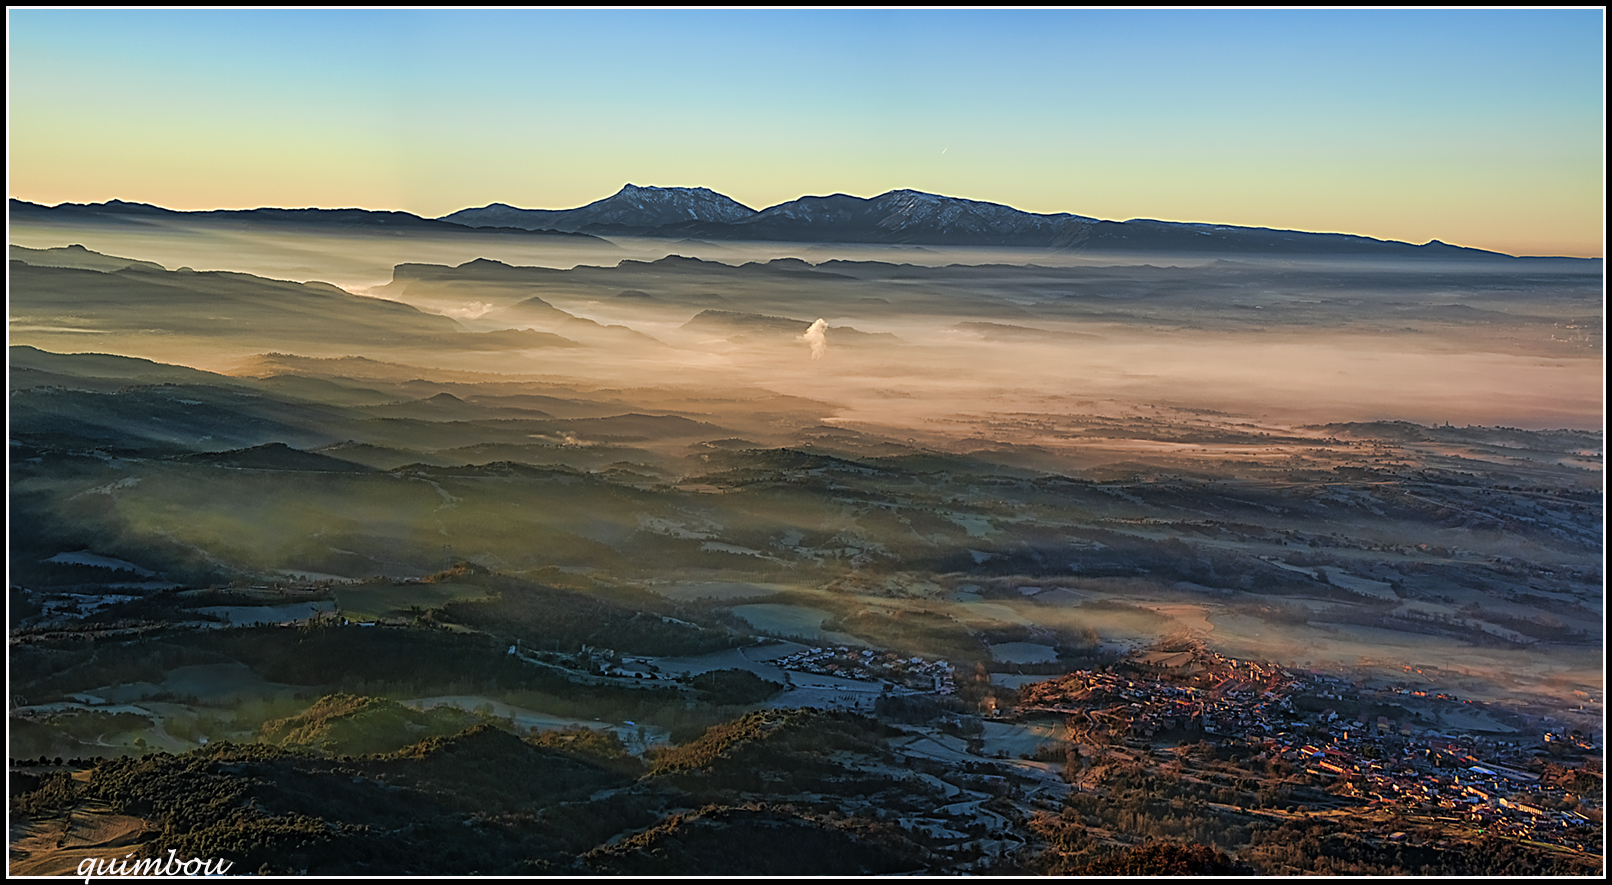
(951,350)
(358,261)
(957,361)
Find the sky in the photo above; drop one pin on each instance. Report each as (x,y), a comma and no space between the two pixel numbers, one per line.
(1481,128)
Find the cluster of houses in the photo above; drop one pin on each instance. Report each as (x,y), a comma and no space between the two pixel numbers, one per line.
(1193,692)
(1387,763)
(910,672)
(593,660)
(1443,778)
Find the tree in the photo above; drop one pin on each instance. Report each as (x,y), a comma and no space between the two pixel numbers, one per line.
(1071,764)
(1162,859)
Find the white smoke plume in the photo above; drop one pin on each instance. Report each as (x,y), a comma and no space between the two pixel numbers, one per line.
(817,336)
(470,310)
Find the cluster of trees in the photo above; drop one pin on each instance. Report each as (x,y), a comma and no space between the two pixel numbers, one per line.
(759,840)
(489,801)
(1585,779)
(47,671)
(1064,847)
(1311,847)
(917,708)
(348,724)
(43,795)
(780,752)
(734,687)
(474,801)
(1161,859)
(547,617)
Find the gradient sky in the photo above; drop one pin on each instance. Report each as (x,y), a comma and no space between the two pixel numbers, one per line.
(1482,128)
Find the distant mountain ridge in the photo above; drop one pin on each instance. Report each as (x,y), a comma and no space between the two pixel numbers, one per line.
(918,218)
(898,217)
(631,207)
(366,220)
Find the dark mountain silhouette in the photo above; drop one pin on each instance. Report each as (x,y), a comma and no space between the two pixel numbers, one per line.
(630,208)
(911,217)
(352,220)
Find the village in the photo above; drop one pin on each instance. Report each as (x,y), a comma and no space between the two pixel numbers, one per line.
(1336,746)
(1414,763)
(913,673)
(1287,718)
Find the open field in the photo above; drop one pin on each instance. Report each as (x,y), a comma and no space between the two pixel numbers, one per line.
(56,847)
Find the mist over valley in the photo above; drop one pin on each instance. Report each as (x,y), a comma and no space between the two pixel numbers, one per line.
(899,534)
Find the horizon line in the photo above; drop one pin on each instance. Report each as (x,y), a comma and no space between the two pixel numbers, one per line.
(444,217)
